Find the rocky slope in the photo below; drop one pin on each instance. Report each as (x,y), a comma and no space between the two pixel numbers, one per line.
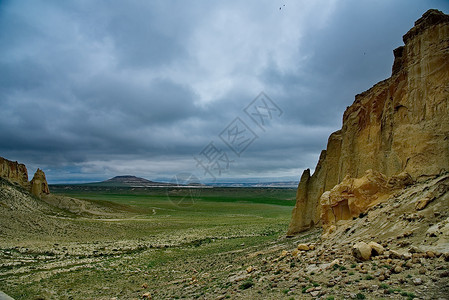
(400,125)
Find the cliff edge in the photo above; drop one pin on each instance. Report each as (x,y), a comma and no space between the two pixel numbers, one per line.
(397,130)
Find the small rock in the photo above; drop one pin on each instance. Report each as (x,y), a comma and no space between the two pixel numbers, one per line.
(303,247)
(397,269)
(249,269)
(417,281)
(315,293)
(422,203)
(395,254)
(430,254)
(146,295)
(422,270)
(309,290)
(145,285)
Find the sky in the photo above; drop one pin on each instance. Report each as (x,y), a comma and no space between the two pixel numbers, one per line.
(223,90)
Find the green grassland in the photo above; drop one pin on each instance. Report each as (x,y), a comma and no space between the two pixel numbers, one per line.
(157,237)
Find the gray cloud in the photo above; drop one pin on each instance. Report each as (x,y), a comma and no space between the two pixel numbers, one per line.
(90,90)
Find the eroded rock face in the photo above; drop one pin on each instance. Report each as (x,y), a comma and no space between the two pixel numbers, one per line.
(14,171)
(354,196)
(399,125)
(39,185)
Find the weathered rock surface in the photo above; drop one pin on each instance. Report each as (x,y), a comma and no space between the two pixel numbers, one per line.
(39,185)
(354,196)
(399,125)
(14,171)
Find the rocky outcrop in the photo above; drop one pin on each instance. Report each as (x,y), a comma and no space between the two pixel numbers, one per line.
(39,185)
(399,125)
(14,171)
(17,173)
(354,196)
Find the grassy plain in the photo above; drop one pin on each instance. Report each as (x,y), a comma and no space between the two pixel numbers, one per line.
(158,240)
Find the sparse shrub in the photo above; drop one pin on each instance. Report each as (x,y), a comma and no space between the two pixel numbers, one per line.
(335,267)
(383,286)
(342,268)
(351,273)
(285,291)
(353,266)
(360,296)
(369,277)
(411,296)
(330,298)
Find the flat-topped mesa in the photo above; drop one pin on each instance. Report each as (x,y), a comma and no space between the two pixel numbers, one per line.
(400,125)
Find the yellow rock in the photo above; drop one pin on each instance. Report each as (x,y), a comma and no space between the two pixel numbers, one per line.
(303,247)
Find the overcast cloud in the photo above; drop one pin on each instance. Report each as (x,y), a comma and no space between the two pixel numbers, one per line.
(94,89)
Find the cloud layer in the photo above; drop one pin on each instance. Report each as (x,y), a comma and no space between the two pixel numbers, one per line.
(94,89)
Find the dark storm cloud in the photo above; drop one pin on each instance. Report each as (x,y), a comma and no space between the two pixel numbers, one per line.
(90,90)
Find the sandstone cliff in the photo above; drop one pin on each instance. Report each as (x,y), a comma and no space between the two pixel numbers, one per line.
(17,173)
(14,171)
(399,125)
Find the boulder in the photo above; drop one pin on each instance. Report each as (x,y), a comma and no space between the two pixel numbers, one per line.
(376,249)
(361,251)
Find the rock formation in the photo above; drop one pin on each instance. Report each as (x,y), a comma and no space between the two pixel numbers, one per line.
(354,196)
(39,185)
(17,173)
(14,171)
(400,125)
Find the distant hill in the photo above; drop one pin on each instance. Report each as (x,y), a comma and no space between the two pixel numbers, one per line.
(129,181)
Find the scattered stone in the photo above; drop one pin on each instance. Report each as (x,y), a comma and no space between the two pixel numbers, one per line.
(430,254)
(303,247)
(422,203)
(146,296)
(249,269)
(315,293)
(395,254)
(417,281)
